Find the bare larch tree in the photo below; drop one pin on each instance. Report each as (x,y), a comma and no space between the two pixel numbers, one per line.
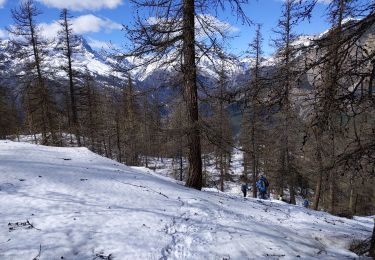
(30,46)
(69,46)
(178,34)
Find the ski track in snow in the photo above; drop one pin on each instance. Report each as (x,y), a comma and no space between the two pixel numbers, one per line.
(82,206)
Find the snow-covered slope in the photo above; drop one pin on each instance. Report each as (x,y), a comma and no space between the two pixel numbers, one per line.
(68,203)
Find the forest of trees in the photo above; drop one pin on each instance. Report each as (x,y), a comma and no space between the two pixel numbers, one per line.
(307,122)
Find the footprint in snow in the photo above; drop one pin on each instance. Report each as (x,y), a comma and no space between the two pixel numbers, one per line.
(8,188)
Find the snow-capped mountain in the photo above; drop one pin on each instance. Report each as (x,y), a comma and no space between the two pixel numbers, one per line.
(105,70)
(86,59)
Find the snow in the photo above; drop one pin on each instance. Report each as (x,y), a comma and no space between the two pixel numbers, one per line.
(68,203)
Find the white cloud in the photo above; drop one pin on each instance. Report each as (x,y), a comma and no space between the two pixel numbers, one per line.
(92,23)
(2,3)
(79,5)
(82,24)
(51,30)
(3,34)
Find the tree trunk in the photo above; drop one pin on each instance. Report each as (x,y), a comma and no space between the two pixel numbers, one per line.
(245,164)
(292,189)
(332,192)
(279,181)
(332,177)
(71,82)
(181,166)
(223,161)
(372,78)
(119,150)
(221,171)
(190,84)
(318,186)
(254,155)
(288,171)
(318,189)
(352,197)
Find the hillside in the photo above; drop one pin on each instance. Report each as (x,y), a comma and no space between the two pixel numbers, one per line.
(68,203)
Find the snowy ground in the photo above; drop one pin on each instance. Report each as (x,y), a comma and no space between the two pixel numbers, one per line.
(171,168)
(68,203)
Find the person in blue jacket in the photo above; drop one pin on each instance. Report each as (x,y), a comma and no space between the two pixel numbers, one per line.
(262,185)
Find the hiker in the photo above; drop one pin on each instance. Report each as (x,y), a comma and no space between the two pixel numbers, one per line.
(262,185)
(306,203)
(244,189)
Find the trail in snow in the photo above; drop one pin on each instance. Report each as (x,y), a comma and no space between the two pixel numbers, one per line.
(83,206)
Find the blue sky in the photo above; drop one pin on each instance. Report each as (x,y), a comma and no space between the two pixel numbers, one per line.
(100,20)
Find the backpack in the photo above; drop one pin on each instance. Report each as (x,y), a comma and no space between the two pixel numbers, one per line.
(261,186)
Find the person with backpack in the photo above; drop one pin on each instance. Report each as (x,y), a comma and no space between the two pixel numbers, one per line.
(244,189)
(262,185)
